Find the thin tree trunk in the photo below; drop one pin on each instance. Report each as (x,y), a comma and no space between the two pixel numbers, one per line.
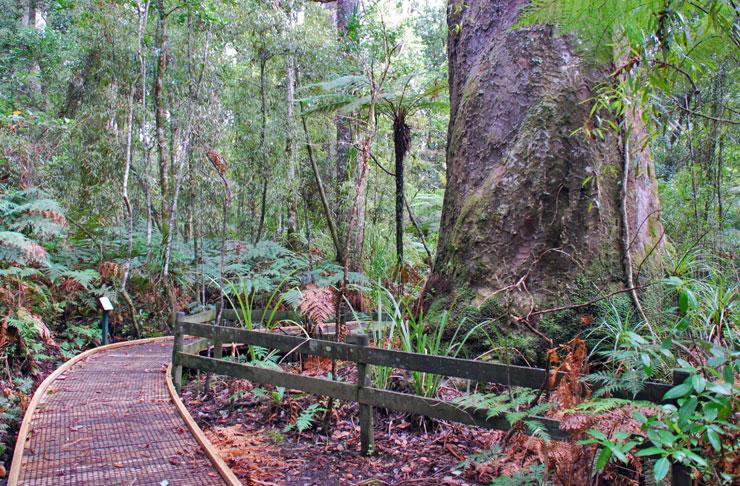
(27,9)
(322,193)
(178,157)
(694,195)
(263,211)
(399,209)
(401,141)
(720,214)
(127,168)
(418,230)
(129,211)
(344,11)
(160,117)
(626,254)
(292,223)
(263,126)
(144,16)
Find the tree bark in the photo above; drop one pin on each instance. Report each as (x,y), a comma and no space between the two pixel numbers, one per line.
(345,9)
(290,145)
(160,119)
(401,142)
(530,206)
(264,57)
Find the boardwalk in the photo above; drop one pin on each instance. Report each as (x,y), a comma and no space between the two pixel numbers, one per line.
(109,420)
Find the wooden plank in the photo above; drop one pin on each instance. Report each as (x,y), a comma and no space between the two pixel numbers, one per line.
(367,396)
(510,375)
(318,386)
(461,368)
(211,451)
(448,411)
(261,315)
(196,346)
(201,317)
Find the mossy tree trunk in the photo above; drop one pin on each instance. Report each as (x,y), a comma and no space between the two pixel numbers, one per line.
(530,206)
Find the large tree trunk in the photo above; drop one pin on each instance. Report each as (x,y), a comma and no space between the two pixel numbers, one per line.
(530,205)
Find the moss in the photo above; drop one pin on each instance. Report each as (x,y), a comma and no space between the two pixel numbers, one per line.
(492,308)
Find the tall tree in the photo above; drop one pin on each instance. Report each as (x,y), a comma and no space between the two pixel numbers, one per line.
(530,205)
(345,10)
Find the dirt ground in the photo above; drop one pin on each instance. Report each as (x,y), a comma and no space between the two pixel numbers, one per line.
(248,425)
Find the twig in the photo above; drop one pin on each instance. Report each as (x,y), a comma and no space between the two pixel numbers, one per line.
(579,306)
(708,117)
(418,229)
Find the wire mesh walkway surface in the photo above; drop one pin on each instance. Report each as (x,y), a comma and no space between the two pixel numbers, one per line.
(109,420)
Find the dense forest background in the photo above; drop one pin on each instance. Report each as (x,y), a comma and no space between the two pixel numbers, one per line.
(517,174)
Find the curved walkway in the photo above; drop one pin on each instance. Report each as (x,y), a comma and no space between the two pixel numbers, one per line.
(108,419)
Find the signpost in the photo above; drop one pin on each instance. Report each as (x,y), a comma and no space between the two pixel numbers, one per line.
(106,305)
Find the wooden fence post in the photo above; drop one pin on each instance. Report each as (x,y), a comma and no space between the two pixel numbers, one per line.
(367,437)
(679,473)
(177,348)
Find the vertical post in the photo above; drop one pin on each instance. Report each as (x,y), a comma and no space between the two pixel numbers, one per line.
(177,348)
(218,349)
(679,474)
(367,438)
(104,327)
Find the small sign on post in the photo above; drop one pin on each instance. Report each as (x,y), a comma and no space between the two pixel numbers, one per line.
(106,306)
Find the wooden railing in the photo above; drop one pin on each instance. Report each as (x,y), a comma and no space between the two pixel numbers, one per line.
(356,349)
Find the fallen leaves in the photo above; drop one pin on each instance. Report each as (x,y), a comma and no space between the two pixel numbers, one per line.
(248,454)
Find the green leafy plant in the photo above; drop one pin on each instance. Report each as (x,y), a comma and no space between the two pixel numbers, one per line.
(514,405)
(697,430)
(305,419)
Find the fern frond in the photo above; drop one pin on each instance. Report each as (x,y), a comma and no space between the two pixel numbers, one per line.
(17,248)
(305,420)
(318,304)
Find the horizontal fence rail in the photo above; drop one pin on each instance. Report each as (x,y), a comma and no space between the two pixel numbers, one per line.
(356,350)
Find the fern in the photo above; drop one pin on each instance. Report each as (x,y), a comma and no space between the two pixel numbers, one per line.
(292,298)
(601,405)
(305,420)
(504,403)
(318,304)
(630,381)
(536,429)
(533,475)
(514,417)
(83,277)
(17,248)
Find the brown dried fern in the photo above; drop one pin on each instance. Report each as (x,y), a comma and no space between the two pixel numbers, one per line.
(318,304)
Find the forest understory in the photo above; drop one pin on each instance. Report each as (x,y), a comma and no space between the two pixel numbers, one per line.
(549,184)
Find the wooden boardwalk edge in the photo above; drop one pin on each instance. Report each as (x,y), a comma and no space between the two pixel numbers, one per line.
(15,465)
(223,469)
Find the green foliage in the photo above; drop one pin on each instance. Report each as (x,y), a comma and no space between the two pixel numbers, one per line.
(10,410)
(615,446)
(696,430)
(533,475)
(415,333)
(305,419)
(513,405)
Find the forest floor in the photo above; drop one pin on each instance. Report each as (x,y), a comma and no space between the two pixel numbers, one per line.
(247,424)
